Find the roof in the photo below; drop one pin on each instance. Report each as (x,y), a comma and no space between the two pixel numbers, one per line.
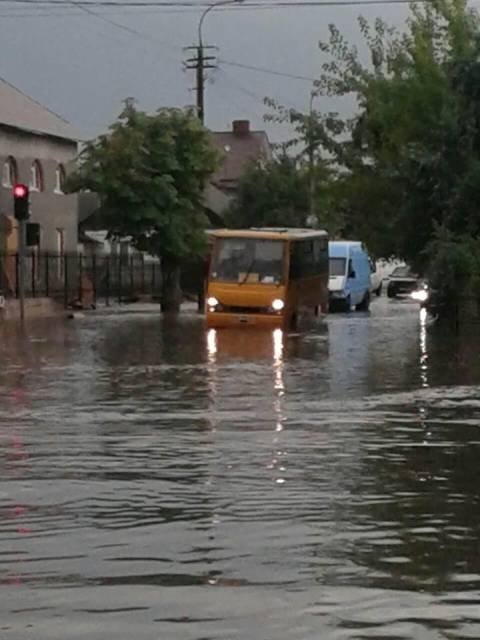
(346,243)
(270,233)
(237,153)
(341,248)
(215,200)
(22,112)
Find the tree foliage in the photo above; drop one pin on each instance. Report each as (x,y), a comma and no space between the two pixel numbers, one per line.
(277,194)
(408,159)
(150,172)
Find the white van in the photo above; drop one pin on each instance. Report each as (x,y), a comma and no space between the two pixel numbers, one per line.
(349,280)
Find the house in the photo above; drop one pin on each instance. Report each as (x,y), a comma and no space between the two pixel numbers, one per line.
(37,148)
(238,149)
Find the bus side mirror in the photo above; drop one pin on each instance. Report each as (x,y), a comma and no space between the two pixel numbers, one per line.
(352,274)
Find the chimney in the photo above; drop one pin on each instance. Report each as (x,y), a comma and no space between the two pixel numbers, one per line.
(241,127)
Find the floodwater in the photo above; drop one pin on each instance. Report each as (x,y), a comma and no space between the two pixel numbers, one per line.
(161,482)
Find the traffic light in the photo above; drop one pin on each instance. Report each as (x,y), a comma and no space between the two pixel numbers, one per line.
(21,202)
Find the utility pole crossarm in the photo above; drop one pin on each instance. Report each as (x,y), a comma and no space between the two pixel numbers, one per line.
(201,62)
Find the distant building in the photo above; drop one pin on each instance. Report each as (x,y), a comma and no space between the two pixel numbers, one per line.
(239,149)
(37,148)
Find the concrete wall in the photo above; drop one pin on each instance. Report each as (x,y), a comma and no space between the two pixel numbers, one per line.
(49,209)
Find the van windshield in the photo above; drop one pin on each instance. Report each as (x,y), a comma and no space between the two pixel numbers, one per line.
(251,260)
(337,266)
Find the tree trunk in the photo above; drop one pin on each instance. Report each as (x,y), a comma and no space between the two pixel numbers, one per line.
(171,292)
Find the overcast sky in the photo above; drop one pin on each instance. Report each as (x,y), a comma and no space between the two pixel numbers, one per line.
(82,68)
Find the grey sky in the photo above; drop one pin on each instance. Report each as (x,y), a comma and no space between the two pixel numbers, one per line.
(83,68)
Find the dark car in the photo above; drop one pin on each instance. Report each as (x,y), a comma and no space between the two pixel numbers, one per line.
(402,282)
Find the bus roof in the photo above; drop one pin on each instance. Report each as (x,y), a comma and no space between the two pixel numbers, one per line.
(269,233)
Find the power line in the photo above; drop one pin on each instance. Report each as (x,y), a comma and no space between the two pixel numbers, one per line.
(118,25)
(272,72)
(276,4)
(239,87)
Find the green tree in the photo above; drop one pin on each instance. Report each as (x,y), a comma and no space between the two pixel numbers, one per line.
(409,159)
(150,172)
(269,195)
(277,194)
(311,148)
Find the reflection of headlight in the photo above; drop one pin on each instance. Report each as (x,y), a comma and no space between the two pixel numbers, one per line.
(420,296)
(212,302)
(277,305)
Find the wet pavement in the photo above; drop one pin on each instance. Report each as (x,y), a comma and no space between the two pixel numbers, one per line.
(159,481)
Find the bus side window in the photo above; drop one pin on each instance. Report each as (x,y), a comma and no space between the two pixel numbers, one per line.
(321,257)
(301,259)
(295,270)
(308,258)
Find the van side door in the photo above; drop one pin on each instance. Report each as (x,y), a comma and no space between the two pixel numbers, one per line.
(351,285)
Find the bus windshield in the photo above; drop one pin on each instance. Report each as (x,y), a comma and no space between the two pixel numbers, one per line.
(337,266)
(252,260)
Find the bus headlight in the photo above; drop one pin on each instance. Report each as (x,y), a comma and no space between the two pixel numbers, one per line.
(212,303)
(277,304)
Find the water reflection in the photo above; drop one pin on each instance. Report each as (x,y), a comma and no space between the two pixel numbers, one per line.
(423,348)
(160,480)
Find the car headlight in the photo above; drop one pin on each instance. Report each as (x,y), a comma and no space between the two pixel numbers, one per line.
(337,294)
(277,304)
(420,296)
(212,303)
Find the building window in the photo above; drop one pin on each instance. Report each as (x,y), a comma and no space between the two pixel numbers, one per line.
(36,177)
(60,179)
(9,177)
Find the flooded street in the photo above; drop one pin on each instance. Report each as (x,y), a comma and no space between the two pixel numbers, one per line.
(161,482)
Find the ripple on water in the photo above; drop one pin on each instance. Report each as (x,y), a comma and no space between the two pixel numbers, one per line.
(151,488)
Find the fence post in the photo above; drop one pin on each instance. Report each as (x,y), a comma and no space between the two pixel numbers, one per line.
(119,258)
(94,276)
(65,279)
(47,275)
(33,266)
(132,278)
(80,274)
(153,279)
(143,274)
(107,281)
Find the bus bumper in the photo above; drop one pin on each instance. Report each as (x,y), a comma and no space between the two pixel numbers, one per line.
(218,320)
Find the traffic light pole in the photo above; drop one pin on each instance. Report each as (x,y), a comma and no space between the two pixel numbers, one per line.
(22,230)
(21,210)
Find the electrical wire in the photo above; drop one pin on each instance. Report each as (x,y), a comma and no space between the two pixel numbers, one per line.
(277,4)
(272,72)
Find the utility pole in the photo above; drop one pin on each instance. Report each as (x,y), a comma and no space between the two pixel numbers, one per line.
(200,86)
(311,162)
(201,62)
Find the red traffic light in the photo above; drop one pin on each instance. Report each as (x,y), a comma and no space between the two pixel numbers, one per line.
(21,204)
(20,191)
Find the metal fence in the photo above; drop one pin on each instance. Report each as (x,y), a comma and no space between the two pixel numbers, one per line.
(79,279)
